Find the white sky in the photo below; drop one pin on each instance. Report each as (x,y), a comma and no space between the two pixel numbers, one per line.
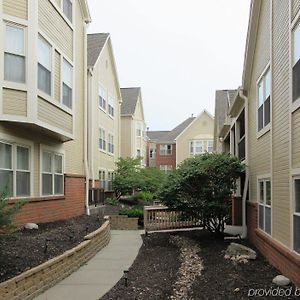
(178,51)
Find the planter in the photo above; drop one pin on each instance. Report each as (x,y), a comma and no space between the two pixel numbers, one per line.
(35,281)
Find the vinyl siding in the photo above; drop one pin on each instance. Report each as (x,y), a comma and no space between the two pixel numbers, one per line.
(260,148)
(16,8)
(281,195)
(296,139)
(126,137)
(54,116)
(54,25)
(14,102)
(295,5)
(57,76)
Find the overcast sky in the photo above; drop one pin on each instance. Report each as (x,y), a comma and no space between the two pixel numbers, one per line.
(178,51)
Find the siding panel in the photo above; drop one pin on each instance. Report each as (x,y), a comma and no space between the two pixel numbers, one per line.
(54,116)
(59,31)
(16,8)
(295,7)
(57,76)
(14,102)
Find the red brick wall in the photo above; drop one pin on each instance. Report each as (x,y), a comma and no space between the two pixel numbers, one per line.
(277,254)
(41,210)
(166,159)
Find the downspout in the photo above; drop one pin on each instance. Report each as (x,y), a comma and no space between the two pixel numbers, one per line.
(244,199)
(85,124)
(90,127)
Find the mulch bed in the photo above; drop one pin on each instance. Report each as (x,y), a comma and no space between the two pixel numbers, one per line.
(25,249)
(153,274)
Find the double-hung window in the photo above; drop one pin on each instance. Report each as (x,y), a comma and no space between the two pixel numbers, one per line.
(14,170)
(138,129)
(52,174)
(210,146)
(138,153)
(166,168)
(264,100)
(152,153)
(265,204)
(197,147)
(296,217)
(296,62)
(110,143)
(165,150)
(102,97)
(67,9)
(67,84)
(14,56)
(102,140)
(44,65)
(109,181)
(111,109)
(102,179)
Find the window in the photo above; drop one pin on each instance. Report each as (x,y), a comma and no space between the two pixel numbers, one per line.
(201,146)
(152,153)
(102,179)
(138,129)
(138,153)
(44,65)
(67,84)
(296,217)
(265,202)
(264,100)
(296,62)
(165,149)
(14,170)
(210,146)
(102,140)
(166,168)
(14,56)
(52,174)
(111,110)
(110,143)
(102,98)
(67,9)
(109,181)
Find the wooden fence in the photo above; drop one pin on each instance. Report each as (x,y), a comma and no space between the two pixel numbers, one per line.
(162,218)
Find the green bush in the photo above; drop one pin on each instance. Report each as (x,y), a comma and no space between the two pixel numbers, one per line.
(136,211)
(145,196)
(112,201)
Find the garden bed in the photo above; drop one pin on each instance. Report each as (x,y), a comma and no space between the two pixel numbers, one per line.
(155,272)
(26,248)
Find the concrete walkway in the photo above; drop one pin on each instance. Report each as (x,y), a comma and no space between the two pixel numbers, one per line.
(102,272)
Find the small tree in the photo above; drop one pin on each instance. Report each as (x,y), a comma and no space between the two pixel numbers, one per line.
(152,179)
(202,187)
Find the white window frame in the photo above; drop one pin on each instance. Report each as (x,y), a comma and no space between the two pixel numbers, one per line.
(24,54)
(295,213)
(205,146)
(102,179)
(153,151)
(111,106)
(52,173)
(166,168)
(111,146)
(102,98)
(65,15)
(138,155)
(163,149)
(65,60)
(109,180)
(14,169)
(102,139)
(295,104)
(138,129)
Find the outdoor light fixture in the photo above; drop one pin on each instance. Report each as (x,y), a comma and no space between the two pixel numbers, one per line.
(126,277)
(221,139)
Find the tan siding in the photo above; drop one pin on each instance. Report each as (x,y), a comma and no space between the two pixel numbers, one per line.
(281,196)
(57,76)
(295,7)
(53,24)
(296,138)
(16,8)
(126,137)
(54,116)
(14,102)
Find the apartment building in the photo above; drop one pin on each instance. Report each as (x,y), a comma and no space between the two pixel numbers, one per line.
(167,149)
(133,126)
(264,131)
(104,100)
(43,63)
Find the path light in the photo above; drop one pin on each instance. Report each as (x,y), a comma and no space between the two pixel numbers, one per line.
(126,277)
(46,245)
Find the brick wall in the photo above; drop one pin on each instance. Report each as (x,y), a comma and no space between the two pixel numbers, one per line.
(277,254)
(48,209)
(33,282)
(166,159)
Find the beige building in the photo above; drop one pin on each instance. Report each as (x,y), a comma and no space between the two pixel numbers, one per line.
(104,100)
(264,132)
(42,104)
(133,127)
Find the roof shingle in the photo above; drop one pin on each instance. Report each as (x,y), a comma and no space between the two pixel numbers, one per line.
(130,97)
(95,44)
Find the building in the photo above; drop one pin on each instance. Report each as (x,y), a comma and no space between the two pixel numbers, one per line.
(104,100)
(167,149)
(42,103)
(265,132)
(133,127)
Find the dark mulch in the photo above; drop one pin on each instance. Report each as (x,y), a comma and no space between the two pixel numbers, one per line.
(154,271)
(26,248)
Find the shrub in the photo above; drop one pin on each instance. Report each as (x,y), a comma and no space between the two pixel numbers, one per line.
(136,211)
(145,196)
(111,201)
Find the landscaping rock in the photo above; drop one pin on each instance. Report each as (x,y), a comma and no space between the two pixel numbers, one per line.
(239,252)
(281,280)
(31,226)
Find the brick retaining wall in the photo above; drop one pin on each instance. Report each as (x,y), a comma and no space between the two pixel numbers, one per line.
(33,282)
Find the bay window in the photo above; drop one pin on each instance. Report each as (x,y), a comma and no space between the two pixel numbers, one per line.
(296,216)
(67,84)
(264,207)
(44,66)
(14,55)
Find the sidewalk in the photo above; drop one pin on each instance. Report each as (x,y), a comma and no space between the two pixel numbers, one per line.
(102,272)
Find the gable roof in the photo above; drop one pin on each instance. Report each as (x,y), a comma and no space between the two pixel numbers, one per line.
(95,44)
(156,135)
(130,98)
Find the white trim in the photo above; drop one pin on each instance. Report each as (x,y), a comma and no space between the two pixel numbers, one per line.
(60,11)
